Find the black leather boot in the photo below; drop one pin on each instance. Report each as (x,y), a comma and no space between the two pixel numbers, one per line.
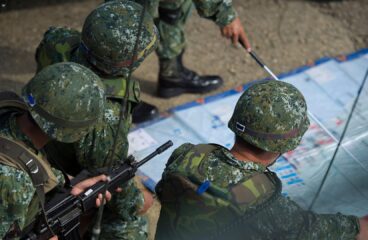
(144,112)
(175,79)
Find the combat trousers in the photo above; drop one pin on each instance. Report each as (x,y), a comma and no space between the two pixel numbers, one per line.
(170,18)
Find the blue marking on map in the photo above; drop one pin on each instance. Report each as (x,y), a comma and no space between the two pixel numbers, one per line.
(289,175)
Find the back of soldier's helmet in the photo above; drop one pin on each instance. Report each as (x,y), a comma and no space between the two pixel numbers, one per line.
(271,115)
(66,100)
(110,33)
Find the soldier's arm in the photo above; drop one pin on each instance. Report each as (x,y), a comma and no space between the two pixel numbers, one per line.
(225,16)
(16,194)
(290,219)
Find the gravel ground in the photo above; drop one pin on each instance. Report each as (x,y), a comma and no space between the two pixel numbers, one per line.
(284,33)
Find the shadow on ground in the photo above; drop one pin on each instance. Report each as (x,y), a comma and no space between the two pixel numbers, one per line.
(11,85)
(16,61)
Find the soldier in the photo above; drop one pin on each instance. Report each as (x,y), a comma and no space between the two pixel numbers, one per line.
(210,192)
(62,102)
(106,46)
(170,18)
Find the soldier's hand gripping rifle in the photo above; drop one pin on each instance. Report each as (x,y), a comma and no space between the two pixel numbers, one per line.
(63,211)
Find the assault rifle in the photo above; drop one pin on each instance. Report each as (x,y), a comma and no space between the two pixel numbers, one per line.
(64,211)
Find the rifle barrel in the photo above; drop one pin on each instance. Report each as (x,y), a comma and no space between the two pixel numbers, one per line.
(158,151)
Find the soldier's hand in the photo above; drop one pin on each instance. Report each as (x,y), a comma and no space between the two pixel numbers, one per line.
(54,238)
(148,201)
(236,33)
(83,185)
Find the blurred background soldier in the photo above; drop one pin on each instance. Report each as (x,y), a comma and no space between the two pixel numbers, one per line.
(106,46)
(64,102)
(210,192)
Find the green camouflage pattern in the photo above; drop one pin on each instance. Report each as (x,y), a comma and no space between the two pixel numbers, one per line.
(60,44)
(109,35)
(17,194)
(271,107)
(172,35)
(121,221)
(243,201)
(92,151)
(69,92)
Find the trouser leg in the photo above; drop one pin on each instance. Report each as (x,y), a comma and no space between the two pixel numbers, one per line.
(172,16)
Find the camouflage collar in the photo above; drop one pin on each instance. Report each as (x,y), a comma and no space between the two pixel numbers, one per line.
(242,165)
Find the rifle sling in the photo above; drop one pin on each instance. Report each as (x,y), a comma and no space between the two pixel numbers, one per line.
(27,161)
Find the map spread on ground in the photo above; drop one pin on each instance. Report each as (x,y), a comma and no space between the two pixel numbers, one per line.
(330,87)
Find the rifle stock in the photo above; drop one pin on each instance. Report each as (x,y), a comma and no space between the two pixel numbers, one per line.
(64,210)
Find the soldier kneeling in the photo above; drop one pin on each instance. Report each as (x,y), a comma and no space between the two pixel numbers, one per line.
(210,192)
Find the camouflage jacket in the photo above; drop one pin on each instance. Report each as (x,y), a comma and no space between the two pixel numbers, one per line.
(19,203)
(92,152)
(206,193)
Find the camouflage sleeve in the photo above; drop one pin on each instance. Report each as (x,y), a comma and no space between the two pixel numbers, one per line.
(93,150)
(121,221)
(290,219)
(220,11)
(16,194)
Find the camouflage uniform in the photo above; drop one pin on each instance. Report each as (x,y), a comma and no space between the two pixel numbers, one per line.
(18,200)
(78,109)
(172,41)
(234,207)
(206,193)
(171,16)
(111,61)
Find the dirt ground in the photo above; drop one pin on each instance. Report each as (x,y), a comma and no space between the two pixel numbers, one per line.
(284,33)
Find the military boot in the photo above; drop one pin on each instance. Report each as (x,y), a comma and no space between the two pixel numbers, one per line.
(175,79)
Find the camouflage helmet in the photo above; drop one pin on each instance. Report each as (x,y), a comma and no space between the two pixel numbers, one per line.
(271,115)
(66,100)
(109,35)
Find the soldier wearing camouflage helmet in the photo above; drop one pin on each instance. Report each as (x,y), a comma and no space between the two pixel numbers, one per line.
(170,18)
(63,102)
(210,192)
(106,46)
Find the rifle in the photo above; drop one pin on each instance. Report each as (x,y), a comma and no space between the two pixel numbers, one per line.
(63,211)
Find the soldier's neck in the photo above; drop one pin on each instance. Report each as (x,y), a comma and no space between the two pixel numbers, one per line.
(243,154)
(32,131)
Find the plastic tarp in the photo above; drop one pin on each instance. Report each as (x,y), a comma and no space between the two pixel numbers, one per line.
(330,87)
